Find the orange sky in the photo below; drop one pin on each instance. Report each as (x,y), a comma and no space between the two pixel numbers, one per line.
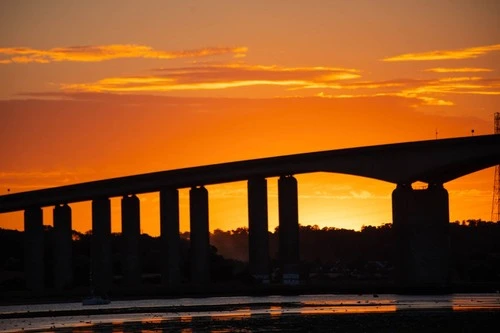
(97,89)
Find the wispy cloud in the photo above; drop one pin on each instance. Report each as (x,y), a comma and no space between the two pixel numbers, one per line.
(20,180)
(467,53)
(470,193)
(16,181)
(358,195)
(434,92)
(97,53)
(425,100)
(447,86)
(322,80)
(211,77)
(458,70)
(36,174)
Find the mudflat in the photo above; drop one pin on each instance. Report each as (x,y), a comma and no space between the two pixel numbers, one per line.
(404,321)
(302,313)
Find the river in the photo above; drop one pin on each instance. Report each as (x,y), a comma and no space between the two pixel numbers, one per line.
(255,314)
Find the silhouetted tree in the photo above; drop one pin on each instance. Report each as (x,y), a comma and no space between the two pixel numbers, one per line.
(329,253)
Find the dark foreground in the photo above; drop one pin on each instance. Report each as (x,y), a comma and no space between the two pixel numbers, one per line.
(406,321)
(302,313)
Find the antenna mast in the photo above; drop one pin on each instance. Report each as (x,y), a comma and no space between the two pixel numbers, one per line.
(495,207)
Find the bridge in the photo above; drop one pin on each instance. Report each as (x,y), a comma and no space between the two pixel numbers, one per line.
(420,216)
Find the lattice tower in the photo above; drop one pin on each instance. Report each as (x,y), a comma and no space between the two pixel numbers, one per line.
(495,207)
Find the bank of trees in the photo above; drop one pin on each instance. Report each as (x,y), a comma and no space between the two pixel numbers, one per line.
(325,252)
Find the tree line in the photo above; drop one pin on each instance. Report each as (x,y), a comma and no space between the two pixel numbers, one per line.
(326,253)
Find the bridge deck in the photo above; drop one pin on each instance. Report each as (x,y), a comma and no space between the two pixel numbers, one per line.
(379,162)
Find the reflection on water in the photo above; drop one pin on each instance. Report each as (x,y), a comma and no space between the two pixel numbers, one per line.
(238,313)
(275,310)
(221,314)
(464,302)
(350,304)
(345,309)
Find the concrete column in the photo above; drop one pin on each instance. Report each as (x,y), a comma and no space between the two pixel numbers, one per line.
(199,234)
(258,237)
(421,228)
(33,249)
(102,270)
(288,229)
(131,232)
(170,237)
(63,238)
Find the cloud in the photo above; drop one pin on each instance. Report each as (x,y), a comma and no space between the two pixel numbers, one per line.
(470,193)
(434,92)
(434,101)
(11,188)
(458,70)
(358,195)
(425,100)
(97,53)
(36,174)
(361,194)
(345,82)
(467,53)
(217,76)
(446,86)
(429,92)
(19,181)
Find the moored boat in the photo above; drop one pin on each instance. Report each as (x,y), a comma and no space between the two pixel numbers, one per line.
(95,300)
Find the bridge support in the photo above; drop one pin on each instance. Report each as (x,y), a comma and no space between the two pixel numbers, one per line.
(33,250)
(288,229)
(421,226)
(101,264)
(63,273)
(170,238)
(258,238)
(131,232)
(199,234)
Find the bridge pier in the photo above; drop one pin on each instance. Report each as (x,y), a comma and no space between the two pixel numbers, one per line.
(170,238)
(34,250)
(421,226)
(288,229)
(131,232)
(258,237)
(101,264)
(63,272)
(199,235)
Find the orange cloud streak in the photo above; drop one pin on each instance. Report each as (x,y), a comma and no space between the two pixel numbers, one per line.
(467,53)
(107,52)
(430,92)
(216,77)
(458,70)
(213,77)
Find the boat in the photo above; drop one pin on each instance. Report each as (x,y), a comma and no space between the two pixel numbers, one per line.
(95,300)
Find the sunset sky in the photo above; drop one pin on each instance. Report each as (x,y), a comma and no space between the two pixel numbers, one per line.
(97,89)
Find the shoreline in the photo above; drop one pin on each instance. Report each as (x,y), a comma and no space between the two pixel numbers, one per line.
(305,302)
(219,290)
(303,313)
(416,320)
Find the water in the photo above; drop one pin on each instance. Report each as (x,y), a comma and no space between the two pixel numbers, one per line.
(250,314)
